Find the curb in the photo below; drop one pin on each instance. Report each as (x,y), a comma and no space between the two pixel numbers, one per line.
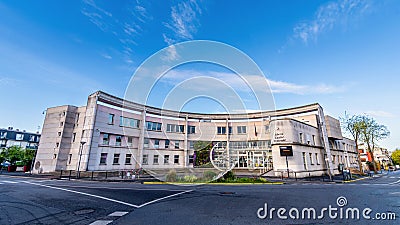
(350,181)
(226,184)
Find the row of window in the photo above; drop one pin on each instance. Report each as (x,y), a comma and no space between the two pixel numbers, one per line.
(19,137)
(146,142)
(145,160)
(305,139)
(310,159)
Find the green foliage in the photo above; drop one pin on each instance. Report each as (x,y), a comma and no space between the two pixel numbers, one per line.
(202,151)
(396,157)
(229,175)
(209,175)
(16,154)
(171,176)
(189,178)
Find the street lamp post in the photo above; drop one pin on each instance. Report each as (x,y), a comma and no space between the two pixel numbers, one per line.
(80,156)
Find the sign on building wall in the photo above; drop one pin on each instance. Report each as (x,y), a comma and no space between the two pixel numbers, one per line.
(286,150)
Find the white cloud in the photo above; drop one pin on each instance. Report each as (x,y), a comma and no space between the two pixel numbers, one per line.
(328,16)
(380,113)
(106,56)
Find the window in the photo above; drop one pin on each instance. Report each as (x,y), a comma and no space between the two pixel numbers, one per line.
(333,158)
(191,159)
(73,137)
(191,129)
(77,118)
(31,138)
(61,124)
(103,158)
(128,158)
(3,135)
(191,144)
(266,128)
(311,159)
(176,159)
(301,137)
(166,143)
(146,143)
(59,134)
(55,156)
(221,130)
(316,158)
(229,130)
(313,139)
(106,139)
(69,158)
(304,161)
(128,122)
(111,119)
(176,144)
(57,144)
(166,159)
(145,159)
(154,126)
(156,143)
(130,141)
(155,159)
(118,140)
(175,128)
(241,129)
(116,159)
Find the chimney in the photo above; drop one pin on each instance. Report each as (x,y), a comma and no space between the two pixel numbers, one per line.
(10,128)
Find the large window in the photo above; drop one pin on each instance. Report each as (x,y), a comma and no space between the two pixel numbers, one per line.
(191,129)
(145,159)
(176,144)
(156,143)
(175,128)
(116,159)
(128,158)
(241,129)
(118,140)
(110,119)
(221,130)
(154,126)
(103,158)
(304,161)
(166,159)
(167,143)
(106,139)
(129,122)
(155,160)
(176,159)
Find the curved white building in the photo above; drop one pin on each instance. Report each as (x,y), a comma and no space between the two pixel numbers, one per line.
(110,134)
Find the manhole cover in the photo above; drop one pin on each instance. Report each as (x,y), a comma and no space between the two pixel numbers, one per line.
(83,211)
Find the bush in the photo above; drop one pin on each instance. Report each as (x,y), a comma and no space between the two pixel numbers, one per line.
(171,176)
(229,175)
(209,175)
(189,178)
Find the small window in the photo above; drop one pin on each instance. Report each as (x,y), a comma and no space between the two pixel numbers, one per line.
(301,137)
(69,158)
(103,158)
(32,138)
(311,159)
(166,159)
(221,130)
(266,127)
(128,158)
(166,143)
(55,156)
(57,144)
(145,159)
(59,134)
(230,130)
(176,144)
(111,119)
(61,124)
(176,159)
(73,137)
(118,140)
(106,139)
(191,129)
(313,139)
(191,159)
(130,141)
(154,126)
(304,161)
(116,159)
(191,144)
(155,160)
(77,118)
(156,143)
(316,158)
(241,129)
(146,143)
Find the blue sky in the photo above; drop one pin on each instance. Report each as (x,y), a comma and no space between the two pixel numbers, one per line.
(343,54)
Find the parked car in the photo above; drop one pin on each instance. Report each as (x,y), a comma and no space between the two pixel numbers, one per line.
(5,164)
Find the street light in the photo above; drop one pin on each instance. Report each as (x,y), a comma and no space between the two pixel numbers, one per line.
(80,156)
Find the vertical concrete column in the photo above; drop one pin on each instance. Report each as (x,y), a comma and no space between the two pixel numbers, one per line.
(227,143)
(185,144)
(324,133)
(142,127)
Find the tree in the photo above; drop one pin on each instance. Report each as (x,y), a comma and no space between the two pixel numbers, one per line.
(371,133)
(396,157)
(353,125)
(13,154)
(202,151)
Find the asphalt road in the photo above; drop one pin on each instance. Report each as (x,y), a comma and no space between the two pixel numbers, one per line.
(39,201)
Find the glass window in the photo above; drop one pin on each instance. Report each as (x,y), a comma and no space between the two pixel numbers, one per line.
(3,135)
(191,159)
(313,139)
(69,158)
(241,129)
(59,134)
(191,129)
(230,130)
(167,143)
(73,137)
(106,139)
(156,143)
(316,158)
(146,143)
(311,159)
(128,122)
(130,141)
(128,158)
(166,159)
(31,138)
(154,126)
(191,144)
(155,159)
(175,128)
(116,159)
(304,161)
(301,137)
(221,130)
(266,128)
(145,159)
(110,119)
(176,159)
(118,140)
(176,144)
(103,158)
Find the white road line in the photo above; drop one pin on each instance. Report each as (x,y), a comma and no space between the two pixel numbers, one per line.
(118,213)
(159,199)
(395,182)
(83,193)
(10,182)
(114,188)
(101,222)
(394,193)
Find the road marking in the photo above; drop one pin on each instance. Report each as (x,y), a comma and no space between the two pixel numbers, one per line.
(394,193)
(169,196)
(87,194)
(395,182)
(10,182)
(101,222)
(118,213)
